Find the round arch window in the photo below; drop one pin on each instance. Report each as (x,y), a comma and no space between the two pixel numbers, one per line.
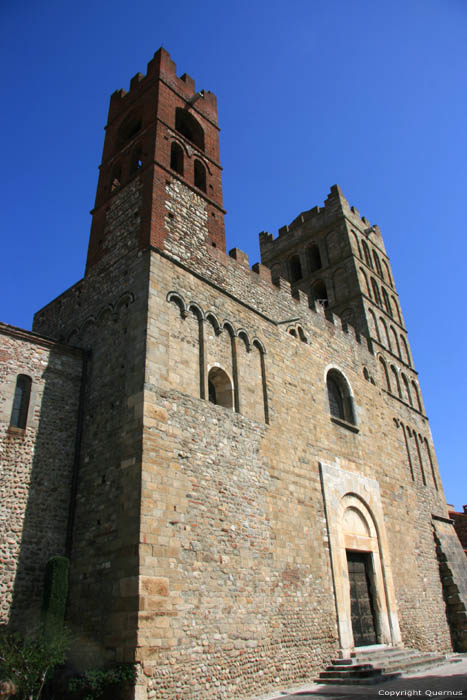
(340,398)
(220,391)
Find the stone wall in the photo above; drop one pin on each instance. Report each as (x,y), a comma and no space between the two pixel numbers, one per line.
(233,522)
(36,466)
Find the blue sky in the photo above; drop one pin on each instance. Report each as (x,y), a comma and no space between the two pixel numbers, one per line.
(369,95)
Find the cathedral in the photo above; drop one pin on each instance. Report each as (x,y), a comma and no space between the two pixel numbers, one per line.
(235,460)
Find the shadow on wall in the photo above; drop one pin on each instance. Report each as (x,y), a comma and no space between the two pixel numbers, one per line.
(42,481)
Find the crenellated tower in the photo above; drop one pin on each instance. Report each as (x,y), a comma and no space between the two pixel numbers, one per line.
(160,132)
(339,259)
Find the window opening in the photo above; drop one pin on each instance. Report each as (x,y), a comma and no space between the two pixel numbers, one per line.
(200,175)
(129,128)
(314,257)
(220,391)
(340,400)
(176,158)
(115,178)
(377,263)
(320,293)
(376,293)
(136,160)
(387,303)
(19,413)
(295,269)
(189,127)
(366,252)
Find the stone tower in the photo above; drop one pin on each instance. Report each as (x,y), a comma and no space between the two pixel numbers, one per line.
(244,447)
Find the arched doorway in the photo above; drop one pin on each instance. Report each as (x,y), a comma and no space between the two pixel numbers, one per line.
(362,578)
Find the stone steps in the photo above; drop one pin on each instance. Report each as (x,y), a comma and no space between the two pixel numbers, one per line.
(377,665)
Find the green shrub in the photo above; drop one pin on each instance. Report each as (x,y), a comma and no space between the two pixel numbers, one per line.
(93,683)
(29,662)
(55,595)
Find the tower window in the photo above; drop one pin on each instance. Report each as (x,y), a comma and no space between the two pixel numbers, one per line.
(176,158)
(319,293)
(295,269)
(128,129)
(136,159)
(314,257)
(387,302)
(366,252)
(340,399)
(200,175)
(377,263)
(187,126)
(115,178)
(19,413)
(376,293)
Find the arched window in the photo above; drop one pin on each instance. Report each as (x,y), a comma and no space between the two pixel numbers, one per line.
(358,245)
(396,306)
(295,268)
(385,373)
(405,356)
(19,413)
(220,389)
(136,159)
(366,282)
(376,293)
(200,175)
(366,252)
(340,399)
(375,330)
(397,349)
(128,129)
(388,275)
(377,263)
(319,293)
(396,380)
(417,396)
(186,124)
(176,157)
(115,178)
(407,389)
(387,303)
(314,257)
(387,338)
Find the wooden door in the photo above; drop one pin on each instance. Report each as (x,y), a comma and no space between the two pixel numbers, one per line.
(361,600)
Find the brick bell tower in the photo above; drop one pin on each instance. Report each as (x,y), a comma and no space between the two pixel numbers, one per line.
(159,132)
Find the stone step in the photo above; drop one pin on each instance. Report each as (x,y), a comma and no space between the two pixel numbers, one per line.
(351,673)
(376,657)
(337,680)
(377,665)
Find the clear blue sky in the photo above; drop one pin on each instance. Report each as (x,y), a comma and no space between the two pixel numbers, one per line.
(368,94)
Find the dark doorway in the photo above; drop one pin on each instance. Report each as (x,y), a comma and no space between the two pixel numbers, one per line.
(361,599)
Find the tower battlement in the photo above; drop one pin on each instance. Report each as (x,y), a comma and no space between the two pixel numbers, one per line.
(162,67)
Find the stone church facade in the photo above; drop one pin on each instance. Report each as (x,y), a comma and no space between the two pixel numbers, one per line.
(236,461)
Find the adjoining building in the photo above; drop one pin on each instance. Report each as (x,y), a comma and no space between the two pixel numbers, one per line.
(237,461)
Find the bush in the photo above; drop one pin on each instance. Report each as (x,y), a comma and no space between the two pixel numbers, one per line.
(31,661)
(55,595)
(93,683)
